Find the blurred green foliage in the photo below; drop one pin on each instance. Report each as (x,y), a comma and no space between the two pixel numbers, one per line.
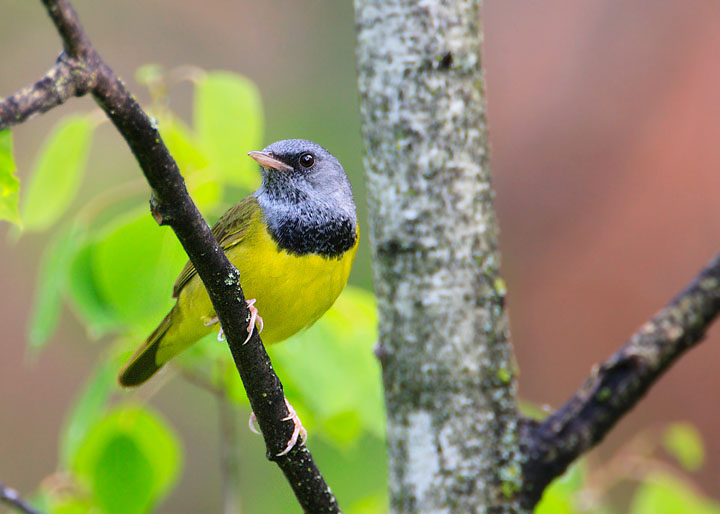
(663,493)
(114,267)
(227,111)
(127,460)
(684,442)
(658,487)
(9,184)
(52,281)
(59,169)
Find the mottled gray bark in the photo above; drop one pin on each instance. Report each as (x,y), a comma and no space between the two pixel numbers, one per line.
(447,361)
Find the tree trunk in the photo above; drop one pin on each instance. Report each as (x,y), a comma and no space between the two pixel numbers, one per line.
(448,368)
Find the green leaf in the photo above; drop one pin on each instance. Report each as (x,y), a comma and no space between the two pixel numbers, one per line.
(374,504)
(205,189)
(684,442)
(149,74)
(123,476)
(573,479)
(9,183)
(206,194)
(555,501)
(211,361)
(87,409)
(662,493)
(532,410)
(344,427)
(51,283)
(182,145)
(559,497)
(58,172)
(229,123)
(348,389)
(129,460)
(135,264)
(85,294)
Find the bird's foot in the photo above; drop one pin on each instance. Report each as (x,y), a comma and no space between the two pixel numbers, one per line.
(213,321)
(299,431)
(255,319)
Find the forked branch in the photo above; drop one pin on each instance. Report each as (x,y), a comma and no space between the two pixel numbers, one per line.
(615,386)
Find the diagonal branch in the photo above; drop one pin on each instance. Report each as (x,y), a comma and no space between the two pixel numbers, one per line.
(11,497)
(80,70)
(67,23)
(614,387)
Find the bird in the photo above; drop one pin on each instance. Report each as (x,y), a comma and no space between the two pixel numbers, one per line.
(293,241)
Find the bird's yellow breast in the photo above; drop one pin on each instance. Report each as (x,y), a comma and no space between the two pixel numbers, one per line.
(291,291)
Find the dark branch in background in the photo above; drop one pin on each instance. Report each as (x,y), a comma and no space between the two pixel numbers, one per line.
(614,387)
(11,497)
(80,70)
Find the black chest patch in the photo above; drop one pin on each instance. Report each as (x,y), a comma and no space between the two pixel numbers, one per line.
(330,237)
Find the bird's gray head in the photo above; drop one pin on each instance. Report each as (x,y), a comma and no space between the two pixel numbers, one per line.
(306,198)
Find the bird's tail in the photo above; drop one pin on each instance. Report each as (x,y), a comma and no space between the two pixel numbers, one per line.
(142,365)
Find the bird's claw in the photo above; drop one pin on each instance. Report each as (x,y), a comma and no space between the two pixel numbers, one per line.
(254,319)
(213,321)
(299,431)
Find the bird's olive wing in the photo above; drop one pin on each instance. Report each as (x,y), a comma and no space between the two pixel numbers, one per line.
(229,231)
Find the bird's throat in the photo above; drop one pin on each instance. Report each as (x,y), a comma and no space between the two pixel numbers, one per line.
(319,233)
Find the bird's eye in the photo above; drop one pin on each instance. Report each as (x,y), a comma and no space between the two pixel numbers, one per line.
(307,160)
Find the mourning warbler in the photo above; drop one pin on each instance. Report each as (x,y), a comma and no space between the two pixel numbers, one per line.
(293,241)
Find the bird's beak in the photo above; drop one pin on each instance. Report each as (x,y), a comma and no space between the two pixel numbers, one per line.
(268,161)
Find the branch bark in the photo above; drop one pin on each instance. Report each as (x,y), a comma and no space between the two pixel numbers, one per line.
(614,387)
(80,70)
(67,78)
(447,360)
(11,497)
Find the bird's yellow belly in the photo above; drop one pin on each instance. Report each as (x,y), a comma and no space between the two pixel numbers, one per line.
(292,292)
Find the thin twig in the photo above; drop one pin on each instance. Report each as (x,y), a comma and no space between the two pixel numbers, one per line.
(200,381)
(229,442)
(171,205)
(615,386)
(230,455)
(12,497)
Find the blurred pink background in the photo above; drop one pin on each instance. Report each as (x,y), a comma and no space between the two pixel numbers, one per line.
(605,133)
